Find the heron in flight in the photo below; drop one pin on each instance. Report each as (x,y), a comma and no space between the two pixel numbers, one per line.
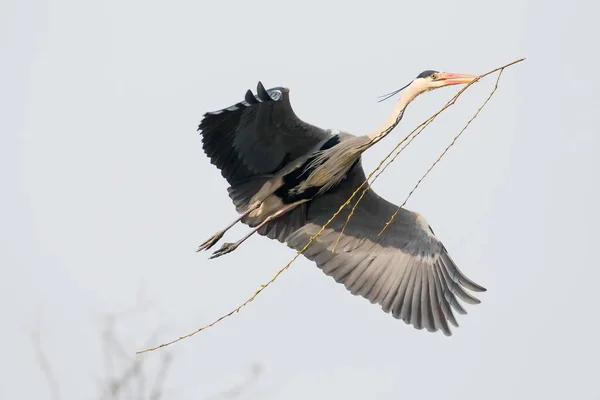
(287,178)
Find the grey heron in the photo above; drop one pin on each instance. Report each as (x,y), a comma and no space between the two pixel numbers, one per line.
(286,179)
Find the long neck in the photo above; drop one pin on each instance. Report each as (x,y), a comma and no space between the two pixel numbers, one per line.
(410,93)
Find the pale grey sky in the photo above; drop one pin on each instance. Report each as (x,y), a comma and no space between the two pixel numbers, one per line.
(105,187)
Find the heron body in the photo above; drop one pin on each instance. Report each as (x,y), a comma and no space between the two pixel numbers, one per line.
(287,178)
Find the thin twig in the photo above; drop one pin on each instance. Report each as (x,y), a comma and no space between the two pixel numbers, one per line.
(262,287)
(44,363)
(274,278)
(444,152)
(157,388)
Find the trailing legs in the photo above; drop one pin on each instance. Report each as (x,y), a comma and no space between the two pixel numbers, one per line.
(210,242)
(229,247)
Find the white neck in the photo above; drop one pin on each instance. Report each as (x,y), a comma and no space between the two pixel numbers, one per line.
(408,95)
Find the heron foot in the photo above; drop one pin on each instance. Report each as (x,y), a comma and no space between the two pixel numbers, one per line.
(225,248)
(210,242)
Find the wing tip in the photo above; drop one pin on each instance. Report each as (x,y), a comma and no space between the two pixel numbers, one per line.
(477,288)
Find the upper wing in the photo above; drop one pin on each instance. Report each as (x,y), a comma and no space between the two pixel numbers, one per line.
(406,270)
(257,136)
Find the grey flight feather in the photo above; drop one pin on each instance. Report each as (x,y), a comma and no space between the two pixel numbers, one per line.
(406,270)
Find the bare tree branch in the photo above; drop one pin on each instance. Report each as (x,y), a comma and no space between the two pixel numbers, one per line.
(157,388)
(42,360)
(126,376)
(134,372)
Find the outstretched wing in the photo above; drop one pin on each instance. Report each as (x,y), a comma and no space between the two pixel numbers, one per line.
(406,270)
(257,136)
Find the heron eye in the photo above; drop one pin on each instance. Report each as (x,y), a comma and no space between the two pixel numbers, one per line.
(433,76)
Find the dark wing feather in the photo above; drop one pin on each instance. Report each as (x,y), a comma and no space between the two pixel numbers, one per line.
(406,270)
(257,136)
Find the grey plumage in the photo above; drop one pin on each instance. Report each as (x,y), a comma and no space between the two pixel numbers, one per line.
(287,178)
(406,270)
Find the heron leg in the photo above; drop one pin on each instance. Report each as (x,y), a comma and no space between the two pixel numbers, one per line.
(229,247)
(211,241)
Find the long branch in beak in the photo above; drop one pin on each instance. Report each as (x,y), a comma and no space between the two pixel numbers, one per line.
(449,78)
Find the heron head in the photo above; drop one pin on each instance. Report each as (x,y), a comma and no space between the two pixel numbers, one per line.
(431,80)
